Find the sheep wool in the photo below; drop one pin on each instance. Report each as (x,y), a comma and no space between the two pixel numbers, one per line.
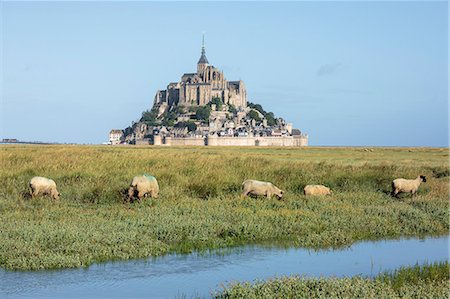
(408,186)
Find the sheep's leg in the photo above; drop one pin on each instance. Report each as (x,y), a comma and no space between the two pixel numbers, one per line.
(141,195)
(130,193)
(395,193)
(268,194)
(245,193)
(35,192)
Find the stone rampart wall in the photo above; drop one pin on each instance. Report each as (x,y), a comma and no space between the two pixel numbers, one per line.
(233,141)
(257,141)
(184,141)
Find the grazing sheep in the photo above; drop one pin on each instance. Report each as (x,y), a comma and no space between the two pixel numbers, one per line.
(143,185)
(403,185)
(261,188)
(316,190)
(43,186)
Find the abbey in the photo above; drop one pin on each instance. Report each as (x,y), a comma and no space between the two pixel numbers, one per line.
(203,108)
(198,89)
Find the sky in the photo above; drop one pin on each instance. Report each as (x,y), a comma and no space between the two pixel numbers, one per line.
(345,73)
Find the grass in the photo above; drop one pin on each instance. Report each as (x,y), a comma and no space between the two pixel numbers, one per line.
(200,205)
(427,281)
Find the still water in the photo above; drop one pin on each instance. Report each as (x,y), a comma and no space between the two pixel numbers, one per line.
(200,274)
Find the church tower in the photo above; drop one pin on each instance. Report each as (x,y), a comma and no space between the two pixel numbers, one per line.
(203,61)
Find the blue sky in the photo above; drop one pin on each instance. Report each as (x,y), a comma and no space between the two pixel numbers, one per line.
(346,73)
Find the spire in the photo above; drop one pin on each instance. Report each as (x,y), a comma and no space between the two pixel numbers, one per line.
(203,58)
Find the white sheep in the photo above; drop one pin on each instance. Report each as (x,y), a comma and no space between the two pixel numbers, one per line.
(403,185)
(261,188)
(316,190)
(143,185)
(43,186)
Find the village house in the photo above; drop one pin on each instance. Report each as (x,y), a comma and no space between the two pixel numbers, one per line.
(116,137)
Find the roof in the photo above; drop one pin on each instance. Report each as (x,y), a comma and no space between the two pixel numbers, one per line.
(189,74)
(203,58)
(115,132)
(296,132)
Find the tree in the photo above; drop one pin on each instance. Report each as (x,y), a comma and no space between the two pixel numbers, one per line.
(168,122)
(191,126)
(232,108)
(150,117)
(218,102)
(170,116)
(203,113)
(271,121)
(254,115)
(269,116)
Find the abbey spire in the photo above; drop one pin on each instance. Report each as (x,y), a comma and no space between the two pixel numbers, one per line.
(203,61)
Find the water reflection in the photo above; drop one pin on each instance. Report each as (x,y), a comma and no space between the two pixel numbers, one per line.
(172,275)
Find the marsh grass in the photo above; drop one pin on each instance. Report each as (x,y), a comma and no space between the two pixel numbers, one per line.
(200,206)
(426,281)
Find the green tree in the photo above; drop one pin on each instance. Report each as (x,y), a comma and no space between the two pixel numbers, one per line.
(269,116)
(254,115)
(179,109)
(203,113)
(150,117)
(271,121)
(191,126)
(218,102)
(232,108)
(168,122)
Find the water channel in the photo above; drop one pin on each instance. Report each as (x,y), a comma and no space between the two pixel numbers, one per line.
(199,274)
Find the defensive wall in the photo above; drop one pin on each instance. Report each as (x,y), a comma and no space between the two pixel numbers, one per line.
(301,140)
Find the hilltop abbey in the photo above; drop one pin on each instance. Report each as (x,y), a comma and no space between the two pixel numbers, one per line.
(198,89)
(204,108)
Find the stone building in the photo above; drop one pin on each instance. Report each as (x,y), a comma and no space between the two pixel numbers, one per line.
(116,136)
(198,89)
(187,113)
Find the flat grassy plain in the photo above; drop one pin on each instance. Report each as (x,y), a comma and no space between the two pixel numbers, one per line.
(200,206)
(426,281)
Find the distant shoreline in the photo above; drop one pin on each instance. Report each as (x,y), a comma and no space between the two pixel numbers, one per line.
(181,146)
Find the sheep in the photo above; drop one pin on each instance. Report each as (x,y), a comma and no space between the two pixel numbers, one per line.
(261,188)
(43,186)
(316,190)
(403,185)
(144,185)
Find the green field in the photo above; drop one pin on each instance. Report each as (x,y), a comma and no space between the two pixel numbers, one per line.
(427,281)
(200,206)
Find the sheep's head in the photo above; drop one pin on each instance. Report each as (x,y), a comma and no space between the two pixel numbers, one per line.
(279,194)
(56,195)
(424,179)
